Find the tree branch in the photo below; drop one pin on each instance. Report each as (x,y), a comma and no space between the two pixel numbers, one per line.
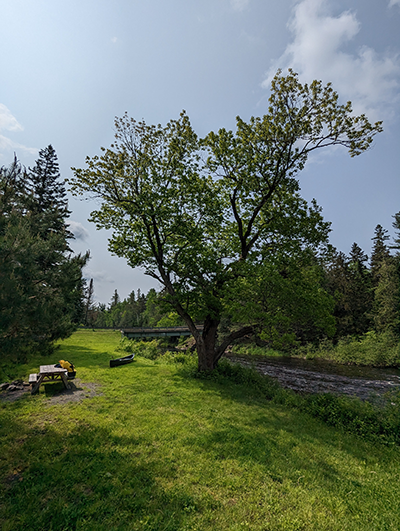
(228,341)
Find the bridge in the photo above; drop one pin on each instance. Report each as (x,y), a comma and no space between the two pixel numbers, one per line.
(175,331)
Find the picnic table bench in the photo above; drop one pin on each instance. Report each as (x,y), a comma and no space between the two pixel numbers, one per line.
(48,373)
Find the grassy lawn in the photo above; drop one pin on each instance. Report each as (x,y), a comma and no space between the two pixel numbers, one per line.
(158,450)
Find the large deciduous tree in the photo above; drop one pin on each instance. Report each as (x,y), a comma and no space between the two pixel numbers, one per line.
(285,299)
(195,214)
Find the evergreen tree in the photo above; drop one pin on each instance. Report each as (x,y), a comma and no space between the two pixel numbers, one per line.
(349,282)
(89,304)
(385,274)
(380,253)
(386,315)
(338,284)
(153,312)
(396,226)
(49,199)
(115,299)
(358,260)
(133,312)
(361,297)
(41,285)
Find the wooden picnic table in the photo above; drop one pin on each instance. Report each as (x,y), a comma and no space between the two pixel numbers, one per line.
(49,373)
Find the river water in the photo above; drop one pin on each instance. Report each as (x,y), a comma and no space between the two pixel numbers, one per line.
(320,376)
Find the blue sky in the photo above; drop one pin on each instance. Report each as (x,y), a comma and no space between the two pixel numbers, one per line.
(68,68)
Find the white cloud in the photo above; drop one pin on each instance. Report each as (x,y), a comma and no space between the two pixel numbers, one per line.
(370,80)
(78,230)
(8,145)
(98,276)
(8,122)
(239,5)
(394,2)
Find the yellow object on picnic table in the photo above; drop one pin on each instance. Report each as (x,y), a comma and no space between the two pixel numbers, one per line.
(66,365)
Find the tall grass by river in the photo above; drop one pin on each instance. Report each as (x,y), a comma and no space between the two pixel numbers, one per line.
(157,449)
(371,349)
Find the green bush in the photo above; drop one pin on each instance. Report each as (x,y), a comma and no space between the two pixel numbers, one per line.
(149,349)
(241,375)
(379,350)
(126,346)
(254,350)
(178,357)
(362,418)
(372,349)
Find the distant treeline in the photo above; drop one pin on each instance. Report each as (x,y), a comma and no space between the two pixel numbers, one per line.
(137,309)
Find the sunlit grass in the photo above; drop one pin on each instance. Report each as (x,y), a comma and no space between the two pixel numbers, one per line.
(158,450)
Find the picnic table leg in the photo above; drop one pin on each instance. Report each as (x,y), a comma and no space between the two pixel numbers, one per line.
(65,381)
(36,386)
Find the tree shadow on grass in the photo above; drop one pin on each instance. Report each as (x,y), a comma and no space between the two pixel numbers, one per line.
(296,427)
(88,478)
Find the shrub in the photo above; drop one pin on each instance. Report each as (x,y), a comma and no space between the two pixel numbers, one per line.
(127,346)
(241,375)
(372,349)
(182,358)
(351,414)
(379,350)
(254,350)
(149,349)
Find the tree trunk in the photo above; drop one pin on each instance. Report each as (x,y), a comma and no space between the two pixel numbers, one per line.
(209,353)
(205,345)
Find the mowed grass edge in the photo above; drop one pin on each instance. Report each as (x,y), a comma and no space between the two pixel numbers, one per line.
(158,450)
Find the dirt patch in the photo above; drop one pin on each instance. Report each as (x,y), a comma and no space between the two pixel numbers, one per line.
(14,391)
(78,392)
(55,392)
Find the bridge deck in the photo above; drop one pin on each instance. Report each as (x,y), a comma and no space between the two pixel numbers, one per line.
(176,331)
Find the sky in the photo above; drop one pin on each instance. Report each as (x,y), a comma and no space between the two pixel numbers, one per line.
(67,69)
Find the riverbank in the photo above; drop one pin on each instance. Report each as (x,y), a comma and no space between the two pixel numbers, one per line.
(154,448)
(318,375)
(370,350)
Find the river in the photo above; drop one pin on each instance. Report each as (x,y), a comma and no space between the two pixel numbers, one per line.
(320,376)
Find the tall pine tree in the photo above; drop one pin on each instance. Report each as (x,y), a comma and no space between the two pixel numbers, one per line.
(386,282)
(349,282)
(396,226)
(361,298)
(49,204)
(41,288)
(386,312)
(380,252)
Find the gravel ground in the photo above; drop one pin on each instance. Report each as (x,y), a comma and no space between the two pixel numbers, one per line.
(55,393)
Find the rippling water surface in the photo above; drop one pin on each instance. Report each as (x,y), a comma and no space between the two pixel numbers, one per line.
(320,376)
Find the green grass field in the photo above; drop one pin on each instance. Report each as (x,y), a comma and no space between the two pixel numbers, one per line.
(155,449)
